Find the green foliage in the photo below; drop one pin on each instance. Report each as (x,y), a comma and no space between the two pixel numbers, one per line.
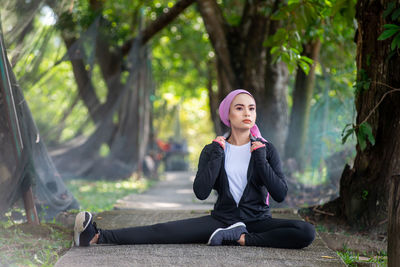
(348,130)
(182,59)
(312,176)
(364,133)
(392,29)
(354,259)
(349,257)
(98,196)
(183,63)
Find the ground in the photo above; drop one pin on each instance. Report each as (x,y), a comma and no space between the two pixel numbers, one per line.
(341,237)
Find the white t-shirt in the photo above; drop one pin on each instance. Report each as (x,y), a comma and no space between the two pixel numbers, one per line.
(237,160)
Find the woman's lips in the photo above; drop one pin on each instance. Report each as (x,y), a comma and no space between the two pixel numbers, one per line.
(247,121)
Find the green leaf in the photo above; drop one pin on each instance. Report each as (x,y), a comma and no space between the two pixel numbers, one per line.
(361,140)
(387,34)
(348,133)
(304,66)
(391,26)
(274,49)
(395,42)
(295,50)
(389,9)
(307,59)
(366,130)
(396,14)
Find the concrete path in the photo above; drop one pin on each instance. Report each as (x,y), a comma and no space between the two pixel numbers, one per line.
(173,192)
(172,199)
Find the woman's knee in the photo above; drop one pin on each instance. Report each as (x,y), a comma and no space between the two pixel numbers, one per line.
(308,233)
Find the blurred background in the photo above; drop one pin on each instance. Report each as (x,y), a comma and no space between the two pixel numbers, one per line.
(120,90)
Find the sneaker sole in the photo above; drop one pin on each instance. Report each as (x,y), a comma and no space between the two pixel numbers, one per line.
(79,225)
(223,229)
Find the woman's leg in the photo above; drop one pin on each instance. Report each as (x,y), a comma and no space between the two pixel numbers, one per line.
(194,230)
(280,233)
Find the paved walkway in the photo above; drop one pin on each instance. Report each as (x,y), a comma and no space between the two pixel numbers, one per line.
(173,192)
(173,199)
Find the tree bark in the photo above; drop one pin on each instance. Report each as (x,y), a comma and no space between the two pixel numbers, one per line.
(272,114)
(217,29)
(213,100)
(364,188)
(242,61)
(83,80)
(299,117)
(393,248)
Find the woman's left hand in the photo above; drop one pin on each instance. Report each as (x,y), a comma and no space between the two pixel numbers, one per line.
(256,145)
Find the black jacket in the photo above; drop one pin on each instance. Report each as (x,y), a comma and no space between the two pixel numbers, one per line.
(264,175)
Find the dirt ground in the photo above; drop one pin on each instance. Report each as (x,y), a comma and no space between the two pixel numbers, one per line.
(340,237)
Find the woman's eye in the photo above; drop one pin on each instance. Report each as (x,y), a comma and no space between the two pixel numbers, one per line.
(238,108)
(252,109)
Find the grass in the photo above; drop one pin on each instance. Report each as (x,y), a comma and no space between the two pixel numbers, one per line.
(27,245)
(353,259)
(98,196)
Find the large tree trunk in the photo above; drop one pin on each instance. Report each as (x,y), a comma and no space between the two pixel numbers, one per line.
(86,89)
(364,188)
(213,100)
(300,114)
(243,62)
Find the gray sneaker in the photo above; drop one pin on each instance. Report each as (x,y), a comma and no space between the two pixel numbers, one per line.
(231,233)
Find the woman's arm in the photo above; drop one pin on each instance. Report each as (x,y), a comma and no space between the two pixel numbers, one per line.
(269,170)
(208,170)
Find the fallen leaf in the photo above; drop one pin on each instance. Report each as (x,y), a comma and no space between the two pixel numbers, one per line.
(327,257)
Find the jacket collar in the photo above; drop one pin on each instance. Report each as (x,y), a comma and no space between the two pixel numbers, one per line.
(228,133)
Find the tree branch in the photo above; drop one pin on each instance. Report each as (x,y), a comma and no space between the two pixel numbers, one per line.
(159,24)
(380,101)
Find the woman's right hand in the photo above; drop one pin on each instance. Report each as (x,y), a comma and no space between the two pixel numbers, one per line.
(221,141)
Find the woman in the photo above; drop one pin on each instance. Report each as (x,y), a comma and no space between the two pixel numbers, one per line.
(244,169)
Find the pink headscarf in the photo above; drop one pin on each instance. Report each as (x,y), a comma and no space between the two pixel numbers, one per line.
(224,115)
(224,111)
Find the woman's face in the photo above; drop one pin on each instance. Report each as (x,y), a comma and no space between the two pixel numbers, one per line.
(242,112)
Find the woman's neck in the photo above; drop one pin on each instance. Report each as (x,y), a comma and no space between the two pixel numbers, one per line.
(239,138)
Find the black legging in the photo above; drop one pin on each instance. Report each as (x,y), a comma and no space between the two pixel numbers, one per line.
(271,232)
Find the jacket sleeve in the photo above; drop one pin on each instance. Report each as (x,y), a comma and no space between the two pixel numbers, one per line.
(269,170)
(208,170)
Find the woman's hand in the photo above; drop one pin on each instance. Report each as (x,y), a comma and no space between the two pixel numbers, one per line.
(221,141)
(256,145)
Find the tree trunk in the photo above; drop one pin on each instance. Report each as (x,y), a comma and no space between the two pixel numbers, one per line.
(83,80)
(299,117)
(364,189)
(213,100)
(242,61)
(393,248)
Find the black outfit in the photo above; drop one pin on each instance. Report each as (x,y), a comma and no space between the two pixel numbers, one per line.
(264,175)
